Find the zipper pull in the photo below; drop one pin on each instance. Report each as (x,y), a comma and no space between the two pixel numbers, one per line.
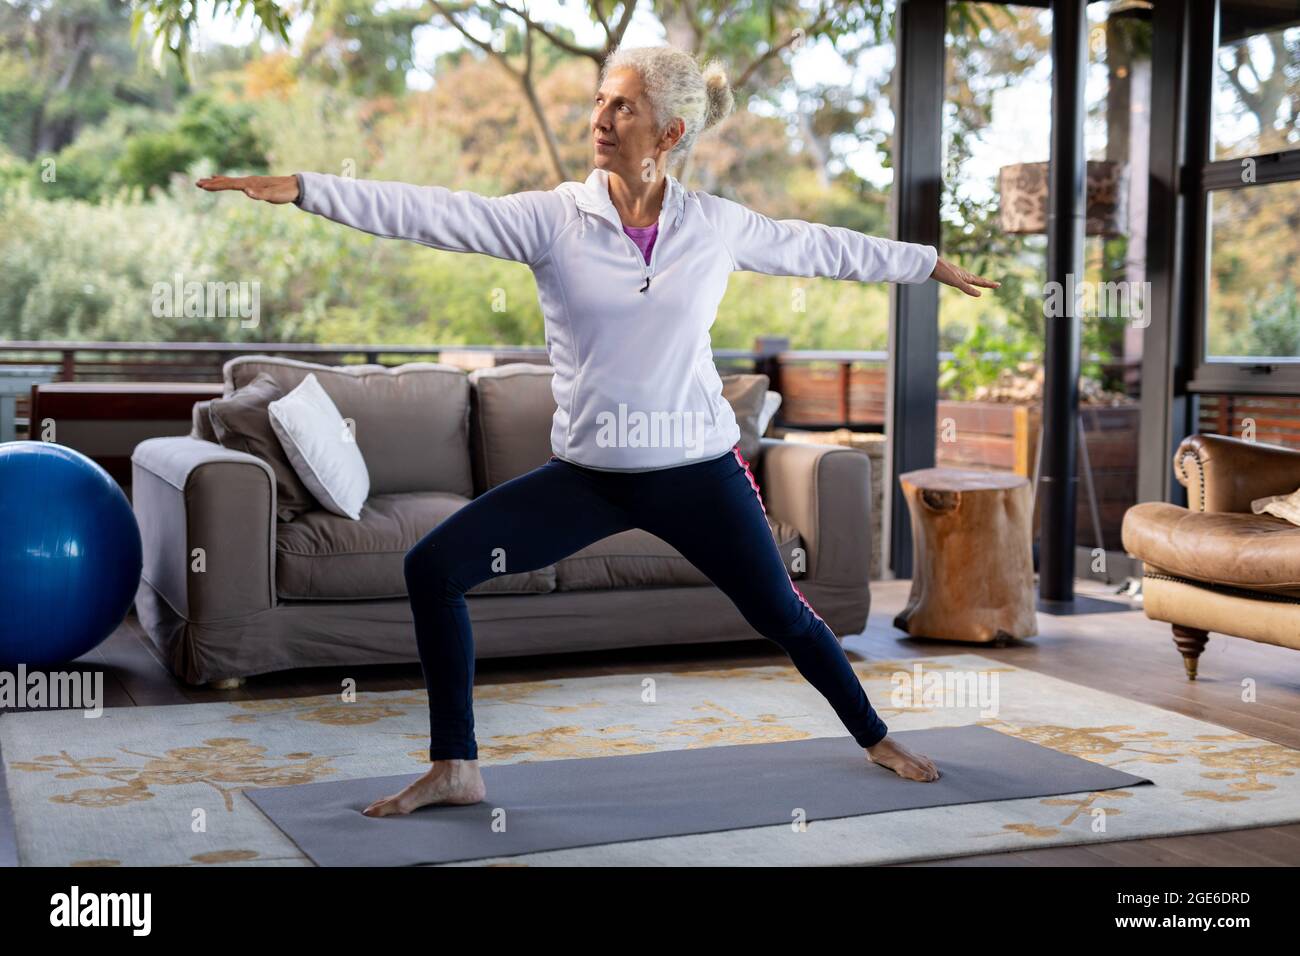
(646,286)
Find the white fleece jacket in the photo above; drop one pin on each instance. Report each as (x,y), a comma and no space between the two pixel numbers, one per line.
(635,385)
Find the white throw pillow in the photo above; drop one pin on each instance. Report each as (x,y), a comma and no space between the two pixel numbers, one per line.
(1286,507)
(321,447)
(771,402)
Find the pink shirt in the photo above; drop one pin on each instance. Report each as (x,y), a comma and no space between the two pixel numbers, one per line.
(644,237)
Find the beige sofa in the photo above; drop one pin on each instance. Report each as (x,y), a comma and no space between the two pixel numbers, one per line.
(229,590)
(1215,565)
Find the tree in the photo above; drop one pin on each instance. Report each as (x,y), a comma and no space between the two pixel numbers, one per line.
(751,35)
(365,49)
(1271,95)
(64,65)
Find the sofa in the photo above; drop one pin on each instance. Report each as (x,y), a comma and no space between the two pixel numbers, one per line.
(231,589)
(1215,565)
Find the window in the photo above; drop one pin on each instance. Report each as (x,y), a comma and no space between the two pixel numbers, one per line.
(1248,315)
(1256,82)
(1253,283)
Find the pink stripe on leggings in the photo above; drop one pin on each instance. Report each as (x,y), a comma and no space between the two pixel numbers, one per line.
(758,494)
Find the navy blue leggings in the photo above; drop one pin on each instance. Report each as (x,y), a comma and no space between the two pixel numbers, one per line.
(710,511)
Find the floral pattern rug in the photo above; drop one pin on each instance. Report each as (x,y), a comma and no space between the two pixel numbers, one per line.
(163,786)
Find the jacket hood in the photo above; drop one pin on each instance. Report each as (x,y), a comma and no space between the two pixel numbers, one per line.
(592,197)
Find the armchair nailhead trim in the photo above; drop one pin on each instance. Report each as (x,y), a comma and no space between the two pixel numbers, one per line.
(1200,471)
(1227,589)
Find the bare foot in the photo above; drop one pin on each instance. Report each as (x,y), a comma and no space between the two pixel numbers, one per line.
(894,756)
(446,782)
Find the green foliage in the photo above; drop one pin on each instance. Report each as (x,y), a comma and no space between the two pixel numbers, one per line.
(980,357)
(205,129)
(13,171)
(88,168)
(86,270)
(221,132)
(20,102)
(170,24)
(150,159)
(140,149)
(1272,329)
(342,106)
(65,66)
(358,46)
(82,270)
(1103,336)
(990,48)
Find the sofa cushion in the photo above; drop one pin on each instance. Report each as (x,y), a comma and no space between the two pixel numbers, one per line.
(241,422)
(510,421)
(411,422)
(201,422)
(747,395)
(1218,547)
(637,558)
(512,406)
(323,556)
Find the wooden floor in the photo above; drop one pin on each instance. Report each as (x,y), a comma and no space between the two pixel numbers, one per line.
(1122,653)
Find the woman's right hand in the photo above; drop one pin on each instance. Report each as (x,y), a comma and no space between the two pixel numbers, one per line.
(273,189)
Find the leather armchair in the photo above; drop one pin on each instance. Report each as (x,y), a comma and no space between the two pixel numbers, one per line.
(1216,566)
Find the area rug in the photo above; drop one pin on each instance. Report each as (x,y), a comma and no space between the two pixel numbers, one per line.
(587,801)
(159,786)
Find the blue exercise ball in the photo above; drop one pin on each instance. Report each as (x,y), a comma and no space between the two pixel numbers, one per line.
(70,554)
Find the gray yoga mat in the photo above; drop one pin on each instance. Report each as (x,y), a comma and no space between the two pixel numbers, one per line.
(557,804)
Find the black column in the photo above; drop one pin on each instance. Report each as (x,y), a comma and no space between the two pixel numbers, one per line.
(1183,45)
(1065,231)
(914,315)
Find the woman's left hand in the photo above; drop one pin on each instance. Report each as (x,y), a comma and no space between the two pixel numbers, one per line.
(959,278)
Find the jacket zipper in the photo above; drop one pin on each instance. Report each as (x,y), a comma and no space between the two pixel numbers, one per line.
(640,259)
(649,273)
(647,269)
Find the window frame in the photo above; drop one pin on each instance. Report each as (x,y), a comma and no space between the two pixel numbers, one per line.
(1250,376)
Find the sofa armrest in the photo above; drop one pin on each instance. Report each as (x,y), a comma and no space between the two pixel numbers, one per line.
(190,494)
(824,491)
(1227,474)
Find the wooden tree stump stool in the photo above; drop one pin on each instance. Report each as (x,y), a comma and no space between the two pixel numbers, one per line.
(972,556)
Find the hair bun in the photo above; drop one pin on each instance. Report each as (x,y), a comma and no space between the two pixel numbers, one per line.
(721,100)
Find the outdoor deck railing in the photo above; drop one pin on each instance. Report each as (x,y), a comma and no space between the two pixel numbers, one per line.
(822,389)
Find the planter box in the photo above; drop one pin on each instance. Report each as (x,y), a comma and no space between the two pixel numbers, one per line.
(994,436)
(1002,437)
(825,393)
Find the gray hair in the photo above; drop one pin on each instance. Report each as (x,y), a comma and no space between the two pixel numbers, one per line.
(677,86)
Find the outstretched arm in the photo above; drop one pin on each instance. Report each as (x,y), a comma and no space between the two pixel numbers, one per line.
(792,247)
(518,227)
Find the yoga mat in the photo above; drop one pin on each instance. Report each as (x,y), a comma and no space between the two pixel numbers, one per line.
(557,804)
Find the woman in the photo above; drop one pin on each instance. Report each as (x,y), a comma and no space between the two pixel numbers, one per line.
(630,269)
